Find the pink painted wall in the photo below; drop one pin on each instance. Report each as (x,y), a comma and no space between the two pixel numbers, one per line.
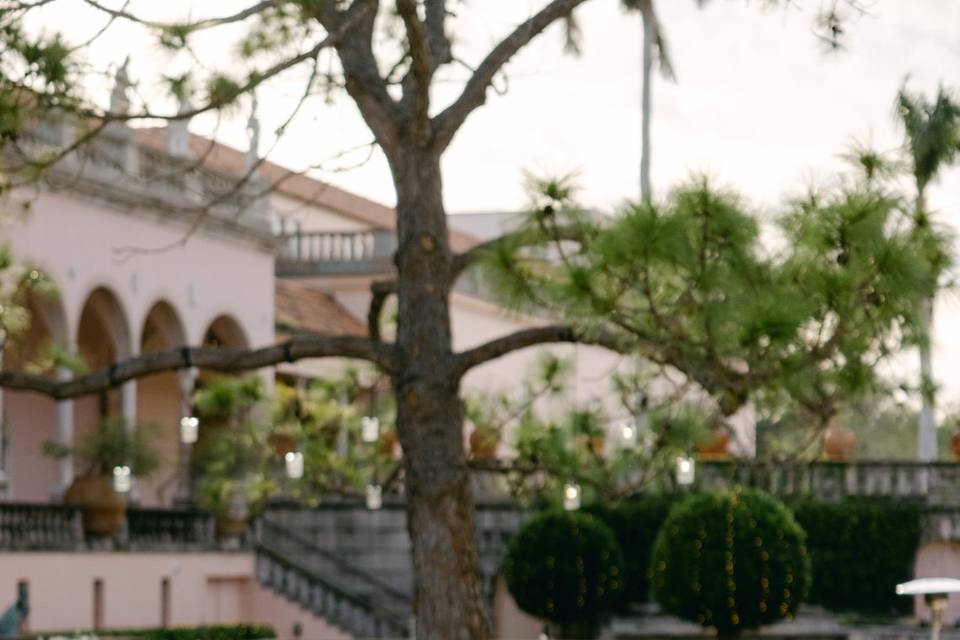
(939,560)
(283,615)
(61,586)
(509,621)
(31,420)
(205,588)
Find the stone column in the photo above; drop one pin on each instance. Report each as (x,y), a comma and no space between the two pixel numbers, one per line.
(64,437)
(187,379)
(128,411)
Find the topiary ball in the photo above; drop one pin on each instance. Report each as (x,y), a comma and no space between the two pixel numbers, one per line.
(732,560)
(566,568)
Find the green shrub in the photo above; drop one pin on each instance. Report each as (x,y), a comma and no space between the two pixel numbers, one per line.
(635,523)
(565,568)
(207,632)
(732,560)
(859,549)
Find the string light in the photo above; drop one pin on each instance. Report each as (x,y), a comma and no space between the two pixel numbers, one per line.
(686,471)
(369,429)
(189,429)
(294,464)
(628,434)
(374,496)
(571,496)
(121,479)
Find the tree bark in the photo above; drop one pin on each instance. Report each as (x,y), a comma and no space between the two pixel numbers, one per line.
(448,596)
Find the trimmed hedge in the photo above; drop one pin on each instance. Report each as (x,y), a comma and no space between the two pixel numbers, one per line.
(566,568)
(207,632)
(731,560)
(635,523)
(860,548)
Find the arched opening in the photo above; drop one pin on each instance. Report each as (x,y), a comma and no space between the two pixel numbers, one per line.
(158,402)
(30,419)
(225,331)
(103,338)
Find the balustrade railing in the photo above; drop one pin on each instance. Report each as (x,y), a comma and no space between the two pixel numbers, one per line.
(147,174)
(170,528)
(40,526)
(318,580)
(933,483)
(321,252)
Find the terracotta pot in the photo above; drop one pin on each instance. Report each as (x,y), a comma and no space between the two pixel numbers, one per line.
(484,442)
(228,527)
(103,509)
(596,444)
(281,443)
(955,443)
(840,444)
(716,447)
(389,444)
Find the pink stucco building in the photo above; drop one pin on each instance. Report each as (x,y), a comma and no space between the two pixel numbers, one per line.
(147,255)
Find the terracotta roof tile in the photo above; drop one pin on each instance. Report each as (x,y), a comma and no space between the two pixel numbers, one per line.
(301,187)
(300,309)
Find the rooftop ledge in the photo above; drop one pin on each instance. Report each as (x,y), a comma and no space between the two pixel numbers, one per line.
(113,166)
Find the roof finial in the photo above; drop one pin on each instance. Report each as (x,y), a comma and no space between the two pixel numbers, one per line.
(119,102)
(178,135)
(253,128)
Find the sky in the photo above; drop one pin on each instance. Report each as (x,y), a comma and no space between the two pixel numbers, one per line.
(759,104)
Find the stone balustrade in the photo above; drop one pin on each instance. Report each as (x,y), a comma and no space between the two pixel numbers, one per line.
(25,527)
(321,582)
(936,484)
(336,252)
(52,527)
(144,176)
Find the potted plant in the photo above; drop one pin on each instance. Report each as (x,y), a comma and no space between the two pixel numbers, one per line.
(715,446)
(389,444)
(232,459)
(588,431)
(484,441)
(839,443)
(111,444)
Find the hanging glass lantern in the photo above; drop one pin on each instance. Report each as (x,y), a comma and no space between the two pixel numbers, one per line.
(121,479)
(628,434)
(294,464)
(686,471)
(571,496)
(369,429)
(374,496)
(189,429)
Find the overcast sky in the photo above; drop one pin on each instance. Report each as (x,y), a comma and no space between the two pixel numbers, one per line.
(757,103)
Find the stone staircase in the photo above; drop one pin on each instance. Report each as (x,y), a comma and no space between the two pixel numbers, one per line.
(322,583)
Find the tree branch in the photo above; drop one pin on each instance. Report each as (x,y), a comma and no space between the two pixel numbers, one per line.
(466,360)
(436,14)
(363,81)
(216,359)
(188,26)
(448,122)
(525,237)
(416,85)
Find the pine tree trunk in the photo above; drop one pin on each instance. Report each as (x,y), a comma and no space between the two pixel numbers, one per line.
(448,600)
